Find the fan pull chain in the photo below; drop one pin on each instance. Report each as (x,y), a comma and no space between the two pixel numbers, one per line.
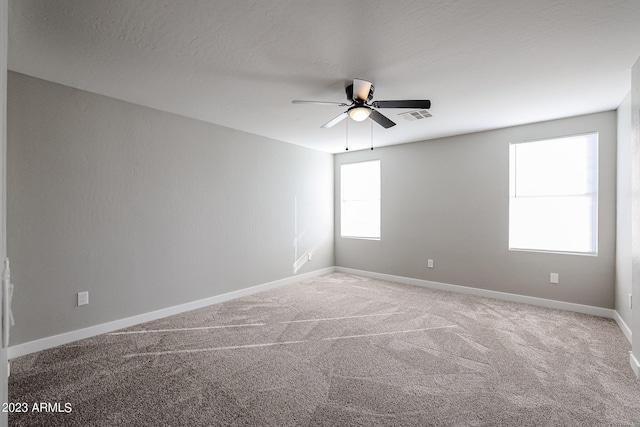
(371,134)
(346,138)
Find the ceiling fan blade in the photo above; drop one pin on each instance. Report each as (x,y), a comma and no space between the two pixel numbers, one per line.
(335,120)
(382,120)
(339,104)
(361,89)
(403,104)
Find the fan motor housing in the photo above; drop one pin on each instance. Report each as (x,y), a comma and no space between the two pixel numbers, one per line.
(349,90)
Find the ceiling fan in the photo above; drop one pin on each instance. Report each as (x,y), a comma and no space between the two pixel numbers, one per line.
(360,94)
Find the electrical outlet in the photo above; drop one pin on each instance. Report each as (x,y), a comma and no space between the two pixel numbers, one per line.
(554,278)
(83,298)
(430,263)
(309,257)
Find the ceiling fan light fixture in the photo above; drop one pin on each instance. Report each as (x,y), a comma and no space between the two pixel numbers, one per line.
(359,113)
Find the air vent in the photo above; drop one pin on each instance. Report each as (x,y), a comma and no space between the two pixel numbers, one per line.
(416,115)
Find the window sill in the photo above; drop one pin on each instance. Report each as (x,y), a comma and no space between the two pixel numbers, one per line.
(540,251)
(360,238)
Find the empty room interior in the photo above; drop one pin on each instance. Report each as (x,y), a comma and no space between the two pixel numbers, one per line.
(330,213)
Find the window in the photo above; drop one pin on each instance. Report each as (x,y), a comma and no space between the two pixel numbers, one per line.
(553,195)
(360,200)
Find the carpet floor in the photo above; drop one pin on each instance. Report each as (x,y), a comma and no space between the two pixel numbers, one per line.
(339,350)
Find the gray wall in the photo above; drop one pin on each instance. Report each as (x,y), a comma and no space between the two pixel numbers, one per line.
(147,210)
(635,207)
(4,4)
(448,199)
(623,212)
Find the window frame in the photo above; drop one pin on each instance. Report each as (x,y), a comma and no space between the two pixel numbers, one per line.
(379,205)
(595,195)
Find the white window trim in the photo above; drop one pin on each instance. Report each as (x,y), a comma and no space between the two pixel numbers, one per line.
(374,238)
(597,197)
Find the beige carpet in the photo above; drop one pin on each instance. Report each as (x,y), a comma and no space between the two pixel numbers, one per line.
(340,350)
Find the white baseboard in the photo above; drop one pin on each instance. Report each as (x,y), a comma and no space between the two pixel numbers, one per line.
(622,325)
(635,365)
(541,302)
(67,337)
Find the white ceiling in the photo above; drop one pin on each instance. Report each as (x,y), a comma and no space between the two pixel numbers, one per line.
(239,63)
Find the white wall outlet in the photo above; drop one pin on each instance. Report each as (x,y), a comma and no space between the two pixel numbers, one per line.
(554,278)
(309,257)
(430,263)
(83,298)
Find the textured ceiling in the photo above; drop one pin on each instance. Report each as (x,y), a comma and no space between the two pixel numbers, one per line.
(483,64)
